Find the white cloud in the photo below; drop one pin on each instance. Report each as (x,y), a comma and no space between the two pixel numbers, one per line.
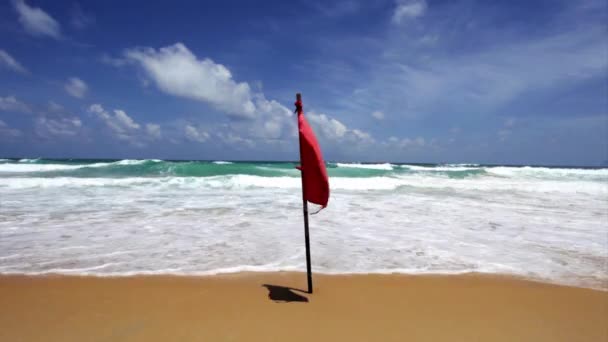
(194,134)
(153,130)
(124,121)
(120,124)
(63,127)
(327,127)
(35,21)
(177,71)
(362,136)
(273,120)
(96,108)
(124,128)
(8,133)
(76,87)
(11,104)
(484,79)
(408,9)
(378,115)
(335,131)
(7,61)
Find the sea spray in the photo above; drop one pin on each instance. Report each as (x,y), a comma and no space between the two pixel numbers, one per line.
(123,217)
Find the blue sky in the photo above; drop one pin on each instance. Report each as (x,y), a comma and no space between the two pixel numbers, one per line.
(517,82)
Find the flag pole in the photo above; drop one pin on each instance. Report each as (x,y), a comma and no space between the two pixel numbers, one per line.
(305,212)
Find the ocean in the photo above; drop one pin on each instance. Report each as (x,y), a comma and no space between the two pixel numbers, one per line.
(126,217)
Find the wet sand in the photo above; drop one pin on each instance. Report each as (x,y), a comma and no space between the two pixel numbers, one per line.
(238,307)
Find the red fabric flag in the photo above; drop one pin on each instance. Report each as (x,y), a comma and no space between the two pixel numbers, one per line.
(314,174)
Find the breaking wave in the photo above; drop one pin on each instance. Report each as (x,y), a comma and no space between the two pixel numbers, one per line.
(124,217)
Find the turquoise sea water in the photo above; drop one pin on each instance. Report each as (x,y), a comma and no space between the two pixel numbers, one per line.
(160,168)
(119,217)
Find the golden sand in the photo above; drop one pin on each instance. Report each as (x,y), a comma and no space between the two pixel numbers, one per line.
(237,307)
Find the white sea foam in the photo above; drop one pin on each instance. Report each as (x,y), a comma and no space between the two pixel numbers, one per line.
(14,168)
(29,166)
(440,168)
(485,184)
(385,166)
(462,164)
(551,228)
(221,162)
(135,161)
(544,172)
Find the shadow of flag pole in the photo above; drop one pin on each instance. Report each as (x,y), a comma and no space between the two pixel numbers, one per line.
(315,184)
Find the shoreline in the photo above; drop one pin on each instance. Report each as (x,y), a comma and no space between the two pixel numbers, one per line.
(589,285)
(257,306)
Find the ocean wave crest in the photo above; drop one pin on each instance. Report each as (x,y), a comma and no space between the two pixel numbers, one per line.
(385,166)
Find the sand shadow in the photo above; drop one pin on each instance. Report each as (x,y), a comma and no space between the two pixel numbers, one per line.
(282,294)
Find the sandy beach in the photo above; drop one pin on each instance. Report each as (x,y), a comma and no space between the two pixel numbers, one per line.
(239,307)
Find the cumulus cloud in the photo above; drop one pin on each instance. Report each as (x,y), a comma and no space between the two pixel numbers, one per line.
(328,127)
(378,115)
(8,62)
(273,120)
(54,121)
(60,127)
(177,71)
(194,134)
(35,21)
(122,120)
(335,131)
(408,9)
(121,124)
(12,104)
(124,128)
(76,87)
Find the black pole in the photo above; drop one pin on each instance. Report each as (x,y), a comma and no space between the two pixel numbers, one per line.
(305,212)
(307,239)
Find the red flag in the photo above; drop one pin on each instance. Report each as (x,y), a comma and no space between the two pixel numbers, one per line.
(314,174)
